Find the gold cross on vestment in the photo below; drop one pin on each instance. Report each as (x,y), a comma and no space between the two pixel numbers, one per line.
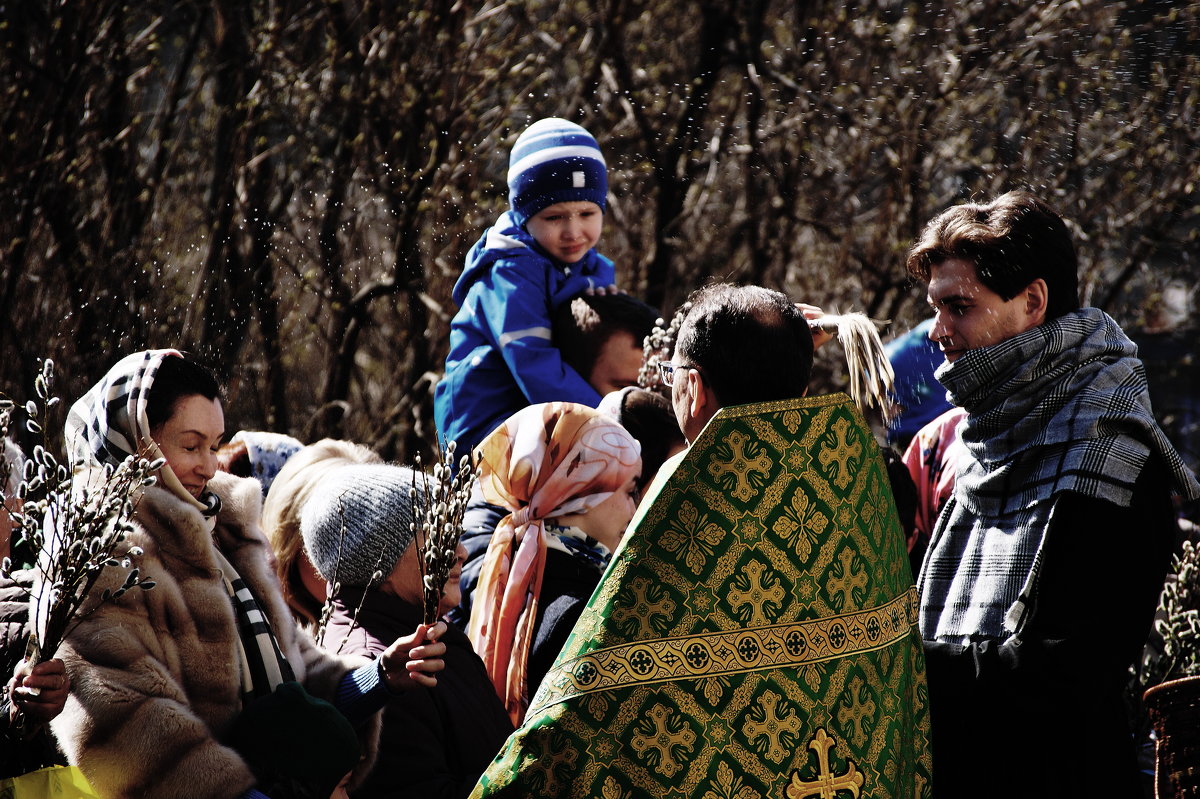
(826,785)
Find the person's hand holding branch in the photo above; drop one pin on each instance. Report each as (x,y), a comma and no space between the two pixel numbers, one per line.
(40,690)
(414,659)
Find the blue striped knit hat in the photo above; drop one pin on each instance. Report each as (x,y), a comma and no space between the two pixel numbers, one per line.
(554,161)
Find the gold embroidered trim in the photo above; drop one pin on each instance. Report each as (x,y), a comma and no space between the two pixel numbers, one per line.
(730,652)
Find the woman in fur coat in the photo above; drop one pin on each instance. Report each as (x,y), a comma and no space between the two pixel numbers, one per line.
(159,677)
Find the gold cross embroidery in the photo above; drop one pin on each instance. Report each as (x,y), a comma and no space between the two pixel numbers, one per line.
(741,466)
(826,785)
(840,448)
(756,590)
(846,581)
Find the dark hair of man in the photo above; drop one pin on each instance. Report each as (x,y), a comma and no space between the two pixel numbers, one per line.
(751,344)
(1012,241)
(649,418)
(581,326)
(176,379)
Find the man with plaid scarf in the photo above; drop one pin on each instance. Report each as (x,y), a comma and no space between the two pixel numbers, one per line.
(1044,567)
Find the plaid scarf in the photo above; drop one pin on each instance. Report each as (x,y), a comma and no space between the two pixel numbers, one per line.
(1061,407)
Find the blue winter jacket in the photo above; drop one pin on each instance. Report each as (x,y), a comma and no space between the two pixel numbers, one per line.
(501,357)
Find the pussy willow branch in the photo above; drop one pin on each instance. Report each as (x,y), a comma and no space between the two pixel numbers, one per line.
(77,528)
(438,508)
(1178,620)
(659,346)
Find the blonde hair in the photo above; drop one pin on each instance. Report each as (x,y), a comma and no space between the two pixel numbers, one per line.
(294,484)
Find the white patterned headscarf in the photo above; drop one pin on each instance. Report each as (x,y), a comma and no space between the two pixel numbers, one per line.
(109,423)
(268,453)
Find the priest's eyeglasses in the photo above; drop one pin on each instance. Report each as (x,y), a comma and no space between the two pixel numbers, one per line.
(667,370)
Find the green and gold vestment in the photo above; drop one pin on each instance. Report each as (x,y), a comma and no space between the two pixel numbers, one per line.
(755,635)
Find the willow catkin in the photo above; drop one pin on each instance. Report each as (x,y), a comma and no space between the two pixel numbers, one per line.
(437,523)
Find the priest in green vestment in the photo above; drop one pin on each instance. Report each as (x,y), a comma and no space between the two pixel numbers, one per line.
(754,635)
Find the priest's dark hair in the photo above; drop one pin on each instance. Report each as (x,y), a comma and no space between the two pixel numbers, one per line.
(751,344)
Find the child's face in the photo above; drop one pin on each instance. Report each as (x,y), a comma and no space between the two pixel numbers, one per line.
(567,230)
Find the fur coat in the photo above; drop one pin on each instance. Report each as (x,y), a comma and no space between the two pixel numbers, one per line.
(155,681)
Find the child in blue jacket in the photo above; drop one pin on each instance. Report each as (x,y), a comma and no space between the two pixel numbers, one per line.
(538,255)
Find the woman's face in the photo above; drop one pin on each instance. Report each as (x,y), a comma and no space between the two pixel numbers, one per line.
(607,521)
(311,579)
(405,580)
(189,440)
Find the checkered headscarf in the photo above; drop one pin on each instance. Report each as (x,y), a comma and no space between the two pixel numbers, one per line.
(109,423)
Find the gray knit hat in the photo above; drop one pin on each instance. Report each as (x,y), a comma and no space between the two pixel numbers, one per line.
(358,522)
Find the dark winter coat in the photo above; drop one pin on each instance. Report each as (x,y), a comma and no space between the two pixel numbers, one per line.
(1042,713)
(435,742)
(567,585)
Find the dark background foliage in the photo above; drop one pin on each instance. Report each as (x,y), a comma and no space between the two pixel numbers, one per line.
(288,187)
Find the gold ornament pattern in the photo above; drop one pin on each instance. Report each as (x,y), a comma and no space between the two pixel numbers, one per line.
(826,785)
(753,638)
(719,653)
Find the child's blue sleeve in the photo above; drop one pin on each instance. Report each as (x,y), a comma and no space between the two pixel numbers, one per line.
(515,304)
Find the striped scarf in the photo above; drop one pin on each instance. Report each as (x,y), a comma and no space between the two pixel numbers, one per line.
(1061,407)
(261,663)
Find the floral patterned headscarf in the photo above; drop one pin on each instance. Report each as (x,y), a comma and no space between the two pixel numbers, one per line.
(546,461)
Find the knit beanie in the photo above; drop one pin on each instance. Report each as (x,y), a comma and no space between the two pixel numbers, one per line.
(290,737)
(358,522)
(554,161)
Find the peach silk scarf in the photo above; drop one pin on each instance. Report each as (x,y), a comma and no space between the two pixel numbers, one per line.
(546,461)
